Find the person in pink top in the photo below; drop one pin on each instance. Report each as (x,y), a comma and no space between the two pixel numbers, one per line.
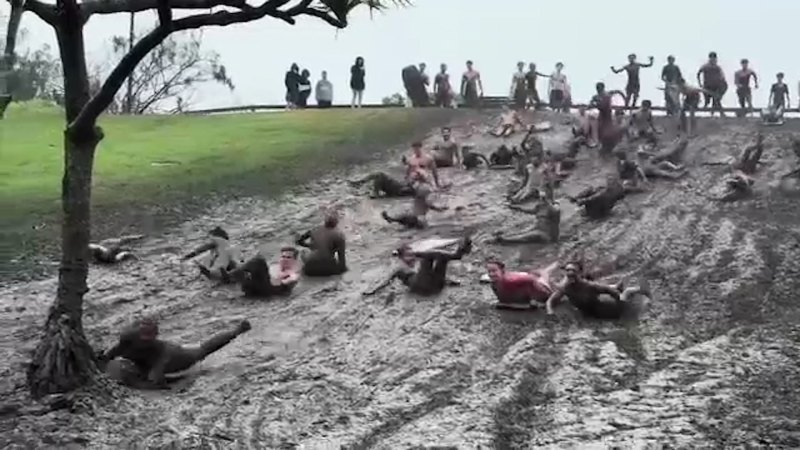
(520,290)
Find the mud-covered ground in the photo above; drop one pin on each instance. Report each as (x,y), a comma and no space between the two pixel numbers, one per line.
(711,363)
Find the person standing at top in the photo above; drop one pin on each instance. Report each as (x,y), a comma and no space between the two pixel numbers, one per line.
(518,92)
(426,80)
(742,79)
(670,75)
(304,88)
(442,90)
(471,86)
(778,102)
(713,82)
(634,85)
(324,91)
(558,88)
(357,74)
(531,77)
(292,82)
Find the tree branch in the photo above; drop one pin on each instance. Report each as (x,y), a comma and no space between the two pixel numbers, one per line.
(90,7)
(164,15)
(45,11)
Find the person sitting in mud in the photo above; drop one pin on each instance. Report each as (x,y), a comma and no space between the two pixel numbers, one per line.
(520,290)
(630,173)
(256,280)
(584,128)
(503,157)
(779,100)
(384,185)
(609,133)
(585,295)
(528,189)
(429,277)
(471,159)
(446,153)
(662,169)
(224,256)
(532,145)
(508,123)
(546,228)
(327,245)
(112,251)
(420,163)
(148,359)
(415,217)
(642,125)
(598,202)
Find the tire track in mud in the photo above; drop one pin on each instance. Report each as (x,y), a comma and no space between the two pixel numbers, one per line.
(329,368)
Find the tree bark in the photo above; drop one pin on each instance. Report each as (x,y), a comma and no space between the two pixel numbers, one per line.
(8,56)
(64,360)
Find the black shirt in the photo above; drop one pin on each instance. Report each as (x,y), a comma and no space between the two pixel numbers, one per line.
(671,73)
(779,91)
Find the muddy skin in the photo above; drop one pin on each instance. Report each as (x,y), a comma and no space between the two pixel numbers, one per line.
(153,358)
(384,185)
(327,244)
(664,169)
(672,153)
(545,229)
(528,189)
(430,276)
(598,202)
(471,159)
(256,281)
(503,156)
(421,204)
(112,251)
(520,290)
(446,153)
(224,256)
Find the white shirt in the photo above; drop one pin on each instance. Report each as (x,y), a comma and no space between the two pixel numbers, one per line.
(558,82)
(324,91)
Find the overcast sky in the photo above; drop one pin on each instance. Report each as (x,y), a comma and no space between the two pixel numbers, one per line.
(587,35)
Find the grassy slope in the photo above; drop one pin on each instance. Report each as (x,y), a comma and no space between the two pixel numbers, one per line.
(257,153)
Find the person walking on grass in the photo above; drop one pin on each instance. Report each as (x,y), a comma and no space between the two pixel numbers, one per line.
(357,84)
(292,82)
(324,91)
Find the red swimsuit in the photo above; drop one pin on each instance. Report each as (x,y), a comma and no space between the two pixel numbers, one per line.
(521,287)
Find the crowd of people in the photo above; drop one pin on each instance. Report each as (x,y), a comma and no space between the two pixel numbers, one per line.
(298,86)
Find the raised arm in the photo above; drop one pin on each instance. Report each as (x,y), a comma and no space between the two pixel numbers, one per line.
(649,64)
(199,250)
(383,285)
(554,298)
(615,70)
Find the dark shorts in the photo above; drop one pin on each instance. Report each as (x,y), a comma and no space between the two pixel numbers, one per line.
(744,92)
(633,89)
(324,103)
(691,102)
(556,99)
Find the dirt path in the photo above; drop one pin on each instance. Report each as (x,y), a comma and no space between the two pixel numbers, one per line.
(712,362)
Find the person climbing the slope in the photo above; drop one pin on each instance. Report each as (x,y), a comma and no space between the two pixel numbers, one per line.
(630,173)
(445,153)
(224,256)
(149,358)
(424,273)
(520,290)
(585,295)
(255,278)
(421,204)
(634,85)
(327,245)
(546,227)
(112,251)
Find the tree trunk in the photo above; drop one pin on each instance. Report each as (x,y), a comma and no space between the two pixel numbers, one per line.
(8,56)
(64,360)
(129,89)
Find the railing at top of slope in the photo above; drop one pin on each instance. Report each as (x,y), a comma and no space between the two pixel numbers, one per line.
(486,103)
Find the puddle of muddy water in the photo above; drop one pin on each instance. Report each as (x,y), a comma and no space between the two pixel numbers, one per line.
(328,368)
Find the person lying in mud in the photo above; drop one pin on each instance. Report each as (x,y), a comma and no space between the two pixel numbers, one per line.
(420,163)
(446,153)
(471,159)
(609,132)
(112,251)
(224,256)
(256,280)
(672,153)
(421,204)
(631,174)
(546,228)
(598,202)
(327,245)
(641,124)
(148,359)
(424,273)
(520,290)
(384,185)
(662,169)
(739,184)
(508,123)
(587,295)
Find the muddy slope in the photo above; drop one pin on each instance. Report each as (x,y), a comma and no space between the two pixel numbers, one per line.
(711,363)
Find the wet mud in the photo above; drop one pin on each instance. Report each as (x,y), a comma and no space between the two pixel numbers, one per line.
(710,363)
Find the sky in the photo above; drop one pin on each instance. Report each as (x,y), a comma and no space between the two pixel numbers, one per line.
(586,35)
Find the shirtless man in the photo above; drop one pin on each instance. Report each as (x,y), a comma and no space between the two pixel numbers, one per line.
(446,153)
(224,256)
(634,84)
(670,74)
(630,173)
(471,86)
(385,185)
(691,101)
(442,90)
(642,124)
(419,164)
(509,120)
(112,251)
(531,78)
(599,201)
(713,82)
(327,245)
(424,273)
(584,129)
(545,229)
(585,295)
(609,133)
(740,182)
(149,359)
(415,217)
(519,90)
(256,280)
(779,100)
(742,80)
(520,290)
(661,169)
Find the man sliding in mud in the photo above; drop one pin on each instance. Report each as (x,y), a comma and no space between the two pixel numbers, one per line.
(148,359)
(739,184)
(415,217)
(779,100)
(327,245)
(256,280)
(634,84)
(598,202)
(446,153)
(631,174)
(743,91)
(585,295)
(112,251)
(429,277)
(609,133)
(384,185)
(472,159)
(419,164)
(546,228)
(509,120)
(661,169)
(713,82)
(520,290)
(224,256)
